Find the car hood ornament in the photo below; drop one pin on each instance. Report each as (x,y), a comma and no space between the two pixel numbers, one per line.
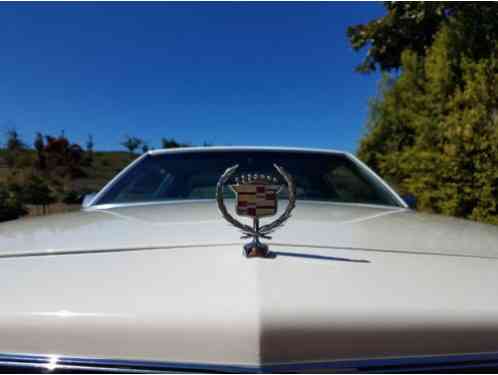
(256,197)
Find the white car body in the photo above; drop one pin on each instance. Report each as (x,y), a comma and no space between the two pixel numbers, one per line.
(164,286)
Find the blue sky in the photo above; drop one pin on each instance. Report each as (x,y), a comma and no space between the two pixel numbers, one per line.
(225,73)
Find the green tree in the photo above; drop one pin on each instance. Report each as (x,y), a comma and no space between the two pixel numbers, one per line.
(63,157)
(469,150)
(172,143)
(89,149)
(72,197)
(414,25)
(14,142)
(39,146)
(394,117)
(131,143)
(433,129)
(145,147)
(14,147)
(11,206)
(37,192)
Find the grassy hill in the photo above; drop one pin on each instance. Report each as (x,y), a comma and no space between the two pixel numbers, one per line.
(105,165)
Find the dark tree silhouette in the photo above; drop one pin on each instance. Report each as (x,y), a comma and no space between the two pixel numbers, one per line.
(14,146)
(131,143)
(64,156)
(39,145)
(89,150)
(414,25)
(172,143)
(37,192)
(14,142)
(11,206)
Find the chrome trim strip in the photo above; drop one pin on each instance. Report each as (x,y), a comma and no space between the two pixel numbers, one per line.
(109,206)
(242,148)
(395,364)
(46,362)
(112,250)
(67,368)
(226,244)
(404,364)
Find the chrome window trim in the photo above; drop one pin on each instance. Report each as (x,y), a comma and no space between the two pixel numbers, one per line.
(241,148)
(377,178)
(110,206)
(115,179)
(48,363)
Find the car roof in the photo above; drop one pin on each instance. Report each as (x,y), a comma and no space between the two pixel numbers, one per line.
(244,148)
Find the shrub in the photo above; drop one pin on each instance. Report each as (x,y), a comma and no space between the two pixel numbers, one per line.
(10,204)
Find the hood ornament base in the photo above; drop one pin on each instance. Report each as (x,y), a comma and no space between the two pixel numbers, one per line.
(257,249)
(256,197)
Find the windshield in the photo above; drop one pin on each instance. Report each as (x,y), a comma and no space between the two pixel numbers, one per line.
(194,175)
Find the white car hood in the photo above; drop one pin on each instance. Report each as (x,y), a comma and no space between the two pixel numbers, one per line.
(184,224)
(348,283)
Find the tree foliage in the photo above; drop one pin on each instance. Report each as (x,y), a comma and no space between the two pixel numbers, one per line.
(39,145)
(72,197)
(14,147)
(172,143)
(11,206)
(37,192)
(131,143)
(434,129)
(54,169)
(14,142)
(63,157)
(413,26)
(89,154)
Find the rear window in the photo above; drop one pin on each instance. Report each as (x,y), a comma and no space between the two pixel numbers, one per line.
(194,175)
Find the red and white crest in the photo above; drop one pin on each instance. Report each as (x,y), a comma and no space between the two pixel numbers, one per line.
(256,199)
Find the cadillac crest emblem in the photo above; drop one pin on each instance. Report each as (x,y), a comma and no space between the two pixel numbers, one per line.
(256,197)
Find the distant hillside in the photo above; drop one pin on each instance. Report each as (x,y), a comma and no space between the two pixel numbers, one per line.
(65,192)
(54,174)
(106,165)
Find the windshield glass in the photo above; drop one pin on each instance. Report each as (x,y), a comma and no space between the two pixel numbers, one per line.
(194,175)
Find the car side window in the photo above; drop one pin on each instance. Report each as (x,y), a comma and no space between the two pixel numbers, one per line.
(149,184)
(348,186)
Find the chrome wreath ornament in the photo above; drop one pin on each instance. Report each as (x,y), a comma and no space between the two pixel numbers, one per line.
(256,197)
